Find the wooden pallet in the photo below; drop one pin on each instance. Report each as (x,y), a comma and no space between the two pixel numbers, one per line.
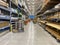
(15,31)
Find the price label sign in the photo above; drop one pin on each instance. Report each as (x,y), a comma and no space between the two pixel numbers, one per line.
(31,16)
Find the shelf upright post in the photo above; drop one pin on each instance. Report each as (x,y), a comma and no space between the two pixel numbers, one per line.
(18,11)
(10,17)
(58,15)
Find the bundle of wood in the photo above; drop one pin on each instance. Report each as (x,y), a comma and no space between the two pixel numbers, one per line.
(2,3)
(3,24)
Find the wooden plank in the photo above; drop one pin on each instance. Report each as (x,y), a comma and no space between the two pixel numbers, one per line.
(55,16)
(2,3)
(53,33)
(43,21)
(53,25)
(3,24)
(48,5)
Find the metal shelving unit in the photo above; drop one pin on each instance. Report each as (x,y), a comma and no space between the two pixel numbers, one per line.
(51,22)
(48,4)
(9,16)
(3,8)
(4,17)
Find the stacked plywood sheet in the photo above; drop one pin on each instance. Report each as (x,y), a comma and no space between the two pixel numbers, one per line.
(48,4)
(2,3)
(55,16)
(3,24)
(52,28)
(4,0)
(54,33)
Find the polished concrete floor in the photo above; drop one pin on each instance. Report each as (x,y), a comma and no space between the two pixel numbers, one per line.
(33,35)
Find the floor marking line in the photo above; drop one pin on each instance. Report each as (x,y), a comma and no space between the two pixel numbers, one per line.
(30,40)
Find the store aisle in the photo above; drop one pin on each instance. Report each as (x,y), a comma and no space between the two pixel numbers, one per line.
(33,35)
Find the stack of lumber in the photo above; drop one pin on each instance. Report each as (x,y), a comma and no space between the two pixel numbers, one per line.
(3,24)
(2,3)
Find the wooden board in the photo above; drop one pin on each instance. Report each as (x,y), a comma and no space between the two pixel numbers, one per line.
(54,33)
(53,25)
(56,15)
(2,3)
(43,22)
(48,4)
(3,24)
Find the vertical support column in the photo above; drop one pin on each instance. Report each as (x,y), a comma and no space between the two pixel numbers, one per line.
(10,17)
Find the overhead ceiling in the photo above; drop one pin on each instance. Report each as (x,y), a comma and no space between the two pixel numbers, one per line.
(33,5)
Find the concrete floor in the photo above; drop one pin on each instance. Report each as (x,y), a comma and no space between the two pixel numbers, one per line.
(33,35)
